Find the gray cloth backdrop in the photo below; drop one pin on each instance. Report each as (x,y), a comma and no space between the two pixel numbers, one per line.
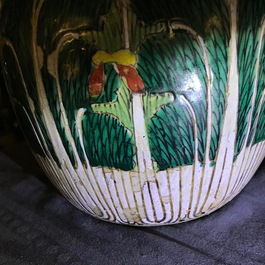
(38,226)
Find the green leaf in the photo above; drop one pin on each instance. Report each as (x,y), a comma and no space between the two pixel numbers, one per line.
(248,37)
(175,65)
(210,19)
(74,68)
(120,107)
(217,38)
(260,131)
(107,142)
(171,136)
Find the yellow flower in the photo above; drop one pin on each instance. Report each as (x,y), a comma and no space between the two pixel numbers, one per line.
(123,57)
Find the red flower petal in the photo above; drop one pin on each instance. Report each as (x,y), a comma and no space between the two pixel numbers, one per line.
(134,81)
(96,81)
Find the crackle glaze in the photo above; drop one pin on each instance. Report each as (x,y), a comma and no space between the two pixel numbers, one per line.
(140,112)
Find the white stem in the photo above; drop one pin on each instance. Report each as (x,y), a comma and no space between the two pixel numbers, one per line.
(42,98)
(195,129)
(78,121)
(255,90)
(226,149)
(54,71)
(141,138)
(262,100)
(229,130)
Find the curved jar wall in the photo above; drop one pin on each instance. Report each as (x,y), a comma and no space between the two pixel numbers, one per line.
(140,112)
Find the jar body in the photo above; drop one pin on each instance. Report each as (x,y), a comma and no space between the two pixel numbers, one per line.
(140,113)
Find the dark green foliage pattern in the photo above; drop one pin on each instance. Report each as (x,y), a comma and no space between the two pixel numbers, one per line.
(175,65)
(167,147)
(210,19)
(75,57)
(168,63)
(54,104)
(260,132)
(17,32)
(248,38)
(74,68)
(107,142)
(217,42)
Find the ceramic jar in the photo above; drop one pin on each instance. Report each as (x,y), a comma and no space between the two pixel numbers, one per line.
(140,112)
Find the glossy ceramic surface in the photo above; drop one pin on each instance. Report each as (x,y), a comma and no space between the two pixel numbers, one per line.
(140,112)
